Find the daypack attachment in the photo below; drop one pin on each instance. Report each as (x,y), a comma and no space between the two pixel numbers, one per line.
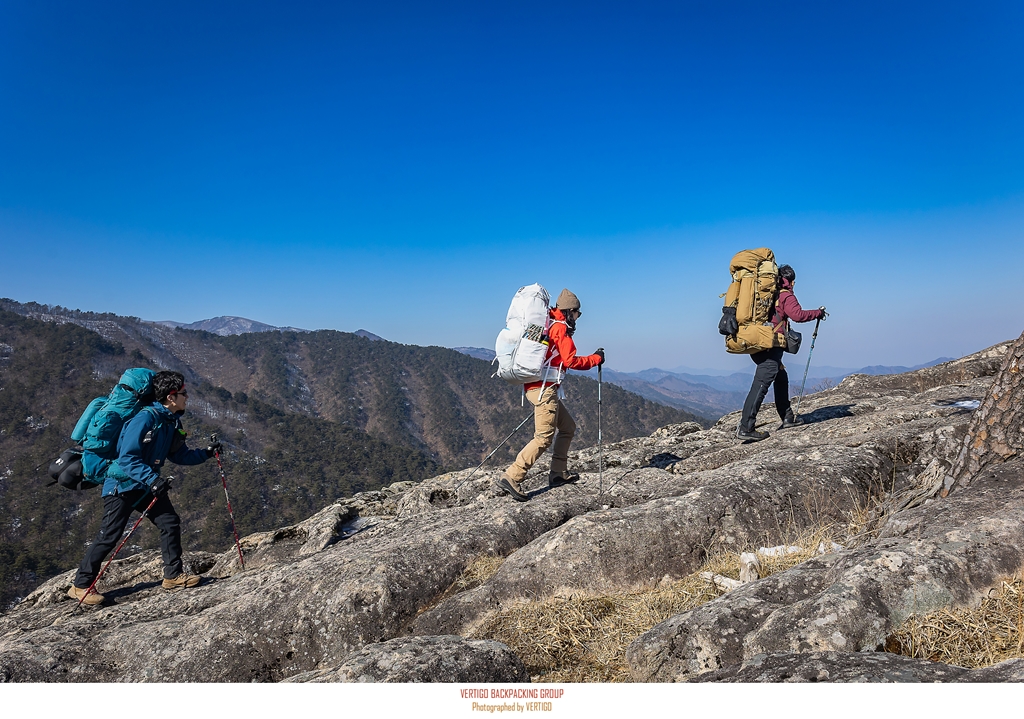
(98,429)
(749,301)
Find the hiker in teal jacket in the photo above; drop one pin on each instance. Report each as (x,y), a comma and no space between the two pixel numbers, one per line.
(152,437)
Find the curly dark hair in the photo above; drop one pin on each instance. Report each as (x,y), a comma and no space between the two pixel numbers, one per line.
(786,272)
(167,382)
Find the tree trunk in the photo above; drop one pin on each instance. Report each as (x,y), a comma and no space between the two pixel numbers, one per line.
(996,432)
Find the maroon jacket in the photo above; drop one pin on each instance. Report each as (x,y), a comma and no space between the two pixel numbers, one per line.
(787,307)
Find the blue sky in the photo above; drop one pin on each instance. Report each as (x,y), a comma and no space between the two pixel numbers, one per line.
(405,167)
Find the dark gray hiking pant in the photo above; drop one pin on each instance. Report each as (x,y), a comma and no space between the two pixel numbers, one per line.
(770,370)
(117,509)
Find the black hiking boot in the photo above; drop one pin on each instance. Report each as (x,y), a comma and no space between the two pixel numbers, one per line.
(791,420)
(557,480)
(512,489)
(751,434)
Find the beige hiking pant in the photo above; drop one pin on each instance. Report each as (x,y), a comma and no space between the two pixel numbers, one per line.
(552,421)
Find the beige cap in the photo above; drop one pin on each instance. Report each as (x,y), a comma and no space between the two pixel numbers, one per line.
(567,301)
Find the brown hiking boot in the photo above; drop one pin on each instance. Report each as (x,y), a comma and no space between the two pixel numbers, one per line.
(181,581)
(91,598)
(511,488)
(557,480)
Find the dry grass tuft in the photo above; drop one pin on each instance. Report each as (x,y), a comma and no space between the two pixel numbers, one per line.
(971,638)
(478,572)
(584,638)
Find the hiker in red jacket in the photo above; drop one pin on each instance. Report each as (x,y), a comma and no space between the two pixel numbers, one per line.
(770,369)
(552,420)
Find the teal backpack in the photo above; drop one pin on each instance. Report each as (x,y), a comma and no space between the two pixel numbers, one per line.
(99,427)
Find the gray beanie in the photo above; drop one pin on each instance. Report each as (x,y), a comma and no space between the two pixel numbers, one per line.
(567,301)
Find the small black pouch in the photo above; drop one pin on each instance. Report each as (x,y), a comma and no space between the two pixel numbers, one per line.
(728,325)
(66,470)
(793,340)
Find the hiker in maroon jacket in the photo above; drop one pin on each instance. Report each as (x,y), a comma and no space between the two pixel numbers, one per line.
(770,369)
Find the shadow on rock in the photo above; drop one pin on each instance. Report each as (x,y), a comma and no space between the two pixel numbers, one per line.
(823,414)
(664,460)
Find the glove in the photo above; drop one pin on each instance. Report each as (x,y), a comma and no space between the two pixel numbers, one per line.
(824,314)
(600,353)
(214,448)
(161,486)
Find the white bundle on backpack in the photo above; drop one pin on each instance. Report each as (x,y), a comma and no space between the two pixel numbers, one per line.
(521,348)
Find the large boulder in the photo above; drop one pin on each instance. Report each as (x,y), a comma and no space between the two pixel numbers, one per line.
(638,546)
(943,553)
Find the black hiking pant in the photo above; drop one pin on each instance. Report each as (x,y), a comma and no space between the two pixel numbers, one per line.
(770,370)
(117,509)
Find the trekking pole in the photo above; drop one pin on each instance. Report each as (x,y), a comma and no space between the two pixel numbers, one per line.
(127,537)
(224,481)
(493,451)
(796,412)
(600,456)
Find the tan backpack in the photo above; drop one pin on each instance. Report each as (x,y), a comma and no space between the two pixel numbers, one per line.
(749,301)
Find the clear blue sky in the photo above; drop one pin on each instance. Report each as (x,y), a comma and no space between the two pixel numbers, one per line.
(405,167)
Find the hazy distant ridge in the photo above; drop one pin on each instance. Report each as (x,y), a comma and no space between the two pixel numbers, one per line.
(226,326)
(709,392)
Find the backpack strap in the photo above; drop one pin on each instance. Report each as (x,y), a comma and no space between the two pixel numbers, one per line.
(159,422)
(156,415)
(775,327)
(548,367)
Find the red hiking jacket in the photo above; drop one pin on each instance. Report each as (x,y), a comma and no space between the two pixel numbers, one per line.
(561,344)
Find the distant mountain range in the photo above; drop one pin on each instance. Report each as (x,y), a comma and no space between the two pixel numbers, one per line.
(227,326)
(711,393)
(478,352)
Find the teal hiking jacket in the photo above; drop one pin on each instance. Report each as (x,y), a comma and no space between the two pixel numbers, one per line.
(152,437)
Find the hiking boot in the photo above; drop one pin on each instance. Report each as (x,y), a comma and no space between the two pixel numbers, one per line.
(181,581)
(511,488)
(557,480)
(751,434)
(92,598)
(791,420)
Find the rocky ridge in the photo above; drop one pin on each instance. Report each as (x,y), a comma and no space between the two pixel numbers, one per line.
(368,589)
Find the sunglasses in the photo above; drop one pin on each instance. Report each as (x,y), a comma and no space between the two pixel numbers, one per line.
(183,393)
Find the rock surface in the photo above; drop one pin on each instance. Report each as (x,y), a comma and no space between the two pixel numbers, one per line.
(426,659)
(371,587)
(815,667)
(937,555)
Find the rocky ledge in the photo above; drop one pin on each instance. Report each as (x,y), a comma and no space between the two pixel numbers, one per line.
(371,588)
